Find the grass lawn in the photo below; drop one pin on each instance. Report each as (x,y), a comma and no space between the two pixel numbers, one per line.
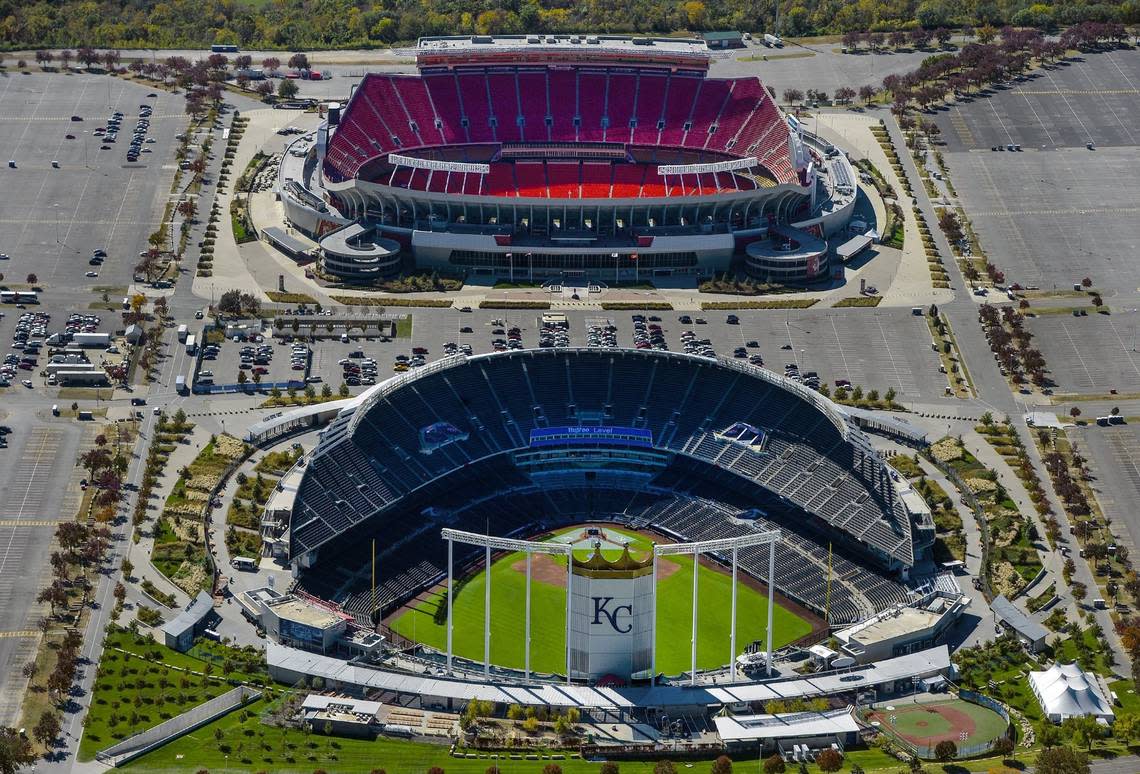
(137,690)
(548,624)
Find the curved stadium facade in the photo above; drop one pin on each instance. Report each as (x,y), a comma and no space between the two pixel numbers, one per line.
(519,443)
(539,158)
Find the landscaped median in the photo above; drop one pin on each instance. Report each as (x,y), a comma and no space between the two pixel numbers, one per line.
(778,303)
(179,534)
(1011,561)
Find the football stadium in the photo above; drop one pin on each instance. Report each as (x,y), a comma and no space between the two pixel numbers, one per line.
(488,505)
(604,159)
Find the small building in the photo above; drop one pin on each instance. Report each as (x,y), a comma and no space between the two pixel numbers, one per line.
(1067,691)
(902,629)
(723,39)
(180,631)
(341,716)
(1031,634)
(780,733)
(297,248)
(133,334)
(293,621)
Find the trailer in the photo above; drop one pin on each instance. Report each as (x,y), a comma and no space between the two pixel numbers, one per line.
(91,339)
(180,384)
(773,41)
(82,378)
(191,344)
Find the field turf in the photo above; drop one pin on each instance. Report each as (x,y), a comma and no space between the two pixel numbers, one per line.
(928,724)
(548,615)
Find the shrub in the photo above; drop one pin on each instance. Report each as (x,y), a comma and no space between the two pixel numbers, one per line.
(774,765)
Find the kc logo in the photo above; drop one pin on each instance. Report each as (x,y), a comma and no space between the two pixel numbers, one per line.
(600,609)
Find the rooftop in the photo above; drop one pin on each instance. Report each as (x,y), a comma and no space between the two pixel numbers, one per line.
(298,611)
(624,43)
(890,625)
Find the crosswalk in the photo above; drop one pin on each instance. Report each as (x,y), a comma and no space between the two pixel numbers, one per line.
(26,523)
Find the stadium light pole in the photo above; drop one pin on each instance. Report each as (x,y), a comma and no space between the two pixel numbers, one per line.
(487,617)
(511,261)
(526,657)
(450,547)
(569,604)
(653,623)
(771,600)
(732,625)
(693,638)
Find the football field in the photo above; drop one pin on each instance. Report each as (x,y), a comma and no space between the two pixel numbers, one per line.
(424,620)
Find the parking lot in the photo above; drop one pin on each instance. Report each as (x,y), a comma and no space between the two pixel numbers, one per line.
(893,345)
(1055,212)
(1114,458)
(52,218)
(1090,355)
(264,362)
(1093,98)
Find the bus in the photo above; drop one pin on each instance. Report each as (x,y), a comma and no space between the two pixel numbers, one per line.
(19,297)
(223,48)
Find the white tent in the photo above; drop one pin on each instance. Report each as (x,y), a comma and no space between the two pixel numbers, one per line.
(1066,691)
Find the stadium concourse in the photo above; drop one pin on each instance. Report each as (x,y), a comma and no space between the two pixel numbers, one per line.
(521,443)
(619,154)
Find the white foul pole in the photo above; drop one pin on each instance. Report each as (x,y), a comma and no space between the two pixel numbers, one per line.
(771,600)
(450,591)
(732,625)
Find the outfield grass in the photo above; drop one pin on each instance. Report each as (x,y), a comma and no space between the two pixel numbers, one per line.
(548,622)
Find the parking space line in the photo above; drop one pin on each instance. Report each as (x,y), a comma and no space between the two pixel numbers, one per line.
(1077,350)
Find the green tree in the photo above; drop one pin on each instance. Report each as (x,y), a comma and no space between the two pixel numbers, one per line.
(1083,731)
(287,89)
(15,751)
(343,390)
(1126,728)
(946,750)
(1062,760)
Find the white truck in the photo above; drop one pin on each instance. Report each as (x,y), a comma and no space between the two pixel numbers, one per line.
(183,330)
(180,384)
(772,41)
(191,344)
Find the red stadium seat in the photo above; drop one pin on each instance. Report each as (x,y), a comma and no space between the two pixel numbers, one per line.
(532,91)
(450,112)
(563,179)
(531,177)
(597,179)
(505,106)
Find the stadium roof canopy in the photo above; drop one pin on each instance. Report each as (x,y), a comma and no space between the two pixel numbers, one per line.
(287,663)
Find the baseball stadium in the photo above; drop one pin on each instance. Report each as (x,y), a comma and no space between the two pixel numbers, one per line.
(598,158)
(449,500)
